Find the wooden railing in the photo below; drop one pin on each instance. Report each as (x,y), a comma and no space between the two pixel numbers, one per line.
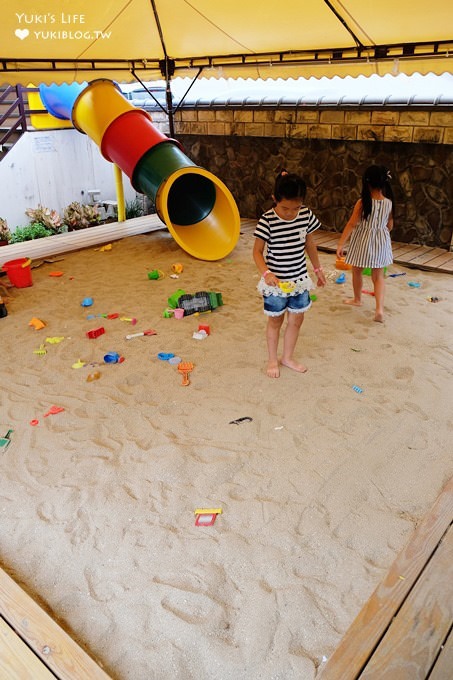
(14,114)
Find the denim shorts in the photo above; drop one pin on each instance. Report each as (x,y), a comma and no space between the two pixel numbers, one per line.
(276,305)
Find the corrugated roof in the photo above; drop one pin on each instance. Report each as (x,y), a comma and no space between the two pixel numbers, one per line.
(389,91)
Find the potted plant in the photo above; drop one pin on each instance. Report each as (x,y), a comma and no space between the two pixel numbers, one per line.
(80,216)
(5,234)
(50,219)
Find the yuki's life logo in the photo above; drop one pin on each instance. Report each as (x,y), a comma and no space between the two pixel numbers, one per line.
(59,26)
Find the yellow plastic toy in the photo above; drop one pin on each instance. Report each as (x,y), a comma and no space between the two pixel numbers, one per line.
(287,286)
(177,268)
(208,511)
(79,364)
(36,323)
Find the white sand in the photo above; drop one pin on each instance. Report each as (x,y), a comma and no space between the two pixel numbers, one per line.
(320,491)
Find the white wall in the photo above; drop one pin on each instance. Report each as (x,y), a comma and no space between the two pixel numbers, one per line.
(54,168)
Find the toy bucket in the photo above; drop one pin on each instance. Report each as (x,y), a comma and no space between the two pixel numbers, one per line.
(112,358)
(19,272)
(173,299)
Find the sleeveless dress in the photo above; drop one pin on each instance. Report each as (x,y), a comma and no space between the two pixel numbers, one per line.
(370,244)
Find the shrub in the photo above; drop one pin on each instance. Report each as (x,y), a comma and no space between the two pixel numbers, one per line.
(49,218)
(134,209)
(79,216)
(30,232)
(5,234)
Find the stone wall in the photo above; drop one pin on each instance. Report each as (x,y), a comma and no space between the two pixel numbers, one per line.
(331,149)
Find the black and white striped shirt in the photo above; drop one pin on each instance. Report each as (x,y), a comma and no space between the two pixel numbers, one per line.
(285,242)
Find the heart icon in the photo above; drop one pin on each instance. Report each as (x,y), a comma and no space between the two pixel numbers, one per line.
(22,33)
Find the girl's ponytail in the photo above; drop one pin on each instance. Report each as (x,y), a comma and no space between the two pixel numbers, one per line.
(366,196)
(375,177)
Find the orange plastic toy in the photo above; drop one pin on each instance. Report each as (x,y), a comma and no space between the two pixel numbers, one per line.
(36,323)
(341,264)
(185,367)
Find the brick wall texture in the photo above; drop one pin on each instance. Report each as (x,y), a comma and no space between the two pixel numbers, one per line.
(331,148)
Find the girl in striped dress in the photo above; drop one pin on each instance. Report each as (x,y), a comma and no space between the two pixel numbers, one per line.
(282,237)
(369,227)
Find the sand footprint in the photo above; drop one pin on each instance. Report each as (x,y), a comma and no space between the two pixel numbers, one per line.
(404,373)
(193,608)
(79,529)
(414,408)
(102,589)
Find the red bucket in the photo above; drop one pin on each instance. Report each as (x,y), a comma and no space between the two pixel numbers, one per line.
(19,272)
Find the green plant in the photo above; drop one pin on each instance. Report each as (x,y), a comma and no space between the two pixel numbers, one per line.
(134,209)
(49,218)
(5,234)
(79,216)
(30,232)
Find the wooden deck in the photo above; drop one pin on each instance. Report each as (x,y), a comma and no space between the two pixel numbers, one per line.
(405,630)
(405,254)
(33,646)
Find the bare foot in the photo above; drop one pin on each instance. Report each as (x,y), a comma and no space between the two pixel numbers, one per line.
(290,363)
(273,370)
(352,302)
(379,317)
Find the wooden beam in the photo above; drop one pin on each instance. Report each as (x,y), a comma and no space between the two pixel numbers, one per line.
(49,642)
(425,257)
(322,237)
(406,250)
(447,267)
(415,636)
(440,260)
(82,238)
(329,244)
(17,661)
(415,253)
(363,636)
(444,664)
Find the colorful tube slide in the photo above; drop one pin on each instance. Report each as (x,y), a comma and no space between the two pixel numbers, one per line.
(197,207)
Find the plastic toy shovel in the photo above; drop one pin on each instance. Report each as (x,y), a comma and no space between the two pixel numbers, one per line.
(53,410)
